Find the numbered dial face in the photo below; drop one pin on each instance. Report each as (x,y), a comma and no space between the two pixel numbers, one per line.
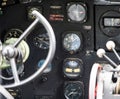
(73,91)
(42,41)
(13,33)
(76,12)
(72,42)
(72,67)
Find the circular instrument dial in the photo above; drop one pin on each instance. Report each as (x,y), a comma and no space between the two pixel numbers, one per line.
(42,41)
(72,42)
(76,12)
(73,90)
(49,67)
(72,67)
(109,23)
(13,33)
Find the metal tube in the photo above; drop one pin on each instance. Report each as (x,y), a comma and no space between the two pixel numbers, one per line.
(26,32)
(116,54)
(113,63)
(14,70)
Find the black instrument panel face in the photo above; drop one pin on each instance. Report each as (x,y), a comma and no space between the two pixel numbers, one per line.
(73,23)
(105,28)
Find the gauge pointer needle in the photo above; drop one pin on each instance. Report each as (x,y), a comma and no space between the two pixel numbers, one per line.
(43,41)
(72,93)
(66,97)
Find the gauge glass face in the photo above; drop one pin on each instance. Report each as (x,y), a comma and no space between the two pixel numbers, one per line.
(48,68)
(41,41)
(71,42)
(13,33)
(72,68)
(73,91)
(76,12)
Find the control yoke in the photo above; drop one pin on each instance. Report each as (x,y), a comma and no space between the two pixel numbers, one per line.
(10,52)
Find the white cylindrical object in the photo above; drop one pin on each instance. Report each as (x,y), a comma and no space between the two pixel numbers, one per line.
(100,53)
(5,93)
(110,45)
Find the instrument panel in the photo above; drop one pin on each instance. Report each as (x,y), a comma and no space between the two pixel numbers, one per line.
(68,74)
(80,26)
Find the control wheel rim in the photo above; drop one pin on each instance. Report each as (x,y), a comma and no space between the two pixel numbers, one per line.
(49,57)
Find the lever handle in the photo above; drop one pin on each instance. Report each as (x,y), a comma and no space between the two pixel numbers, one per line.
(101,54)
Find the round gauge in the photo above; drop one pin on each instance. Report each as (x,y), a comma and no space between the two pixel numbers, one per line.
(13,33)
(72,42)
(73,90)
(49,67)
(41,41)
(76,12)
(109,23)
(72,68)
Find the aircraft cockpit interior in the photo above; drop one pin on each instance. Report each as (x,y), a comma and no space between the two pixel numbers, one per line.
(59,49)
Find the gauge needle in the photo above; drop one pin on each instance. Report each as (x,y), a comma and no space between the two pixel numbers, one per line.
(43,41)
(66,97)
(72,93)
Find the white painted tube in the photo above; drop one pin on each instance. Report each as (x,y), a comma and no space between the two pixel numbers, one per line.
(5,93)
